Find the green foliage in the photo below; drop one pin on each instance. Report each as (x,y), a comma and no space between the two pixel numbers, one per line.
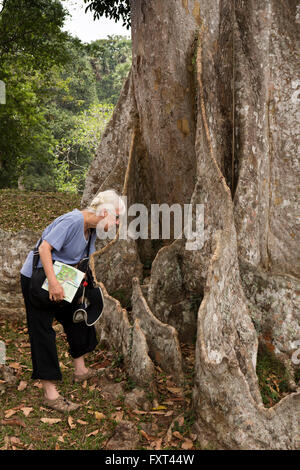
(73,153)
(111,61)
(31,31)
(60,95)
(114,9)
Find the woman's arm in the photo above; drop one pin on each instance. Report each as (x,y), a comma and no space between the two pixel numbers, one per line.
(56,291)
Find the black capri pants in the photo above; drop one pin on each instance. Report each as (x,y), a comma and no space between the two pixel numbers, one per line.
(81,338)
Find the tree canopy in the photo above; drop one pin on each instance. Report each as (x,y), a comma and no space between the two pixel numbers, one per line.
(113,9)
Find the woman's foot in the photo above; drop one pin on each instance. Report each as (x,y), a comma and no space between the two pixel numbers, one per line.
(61,404)
(50,390)
(87,375)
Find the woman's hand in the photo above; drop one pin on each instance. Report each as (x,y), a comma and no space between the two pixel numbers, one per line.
(56,291)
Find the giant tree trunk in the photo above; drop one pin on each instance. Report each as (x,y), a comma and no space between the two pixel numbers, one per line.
(208,115)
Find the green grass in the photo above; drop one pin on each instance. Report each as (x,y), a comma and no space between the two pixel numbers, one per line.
(272,376)
(85,431)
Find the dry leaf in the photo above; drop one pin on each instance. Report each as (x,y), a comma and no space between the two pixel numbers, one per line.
(180,420)
(62,365)
(16,441)
(159,407)
(156,444)
(187,444)
(178,435)
(14,421)
(93,433)
(80,421)
(143,433)
(71,423)
(26,410)
(118,416)
(84,384)
(22,385)
(15,365)
(38,385)
(99,415)
(175,390)
(61,439)
(9,413)
(50,420)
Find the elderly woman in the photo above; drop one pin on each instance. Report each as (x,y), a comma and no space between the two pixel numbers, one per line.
(66,239)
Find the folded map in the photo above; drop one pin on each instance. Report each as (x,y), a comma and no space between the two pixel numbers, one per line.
(70,278)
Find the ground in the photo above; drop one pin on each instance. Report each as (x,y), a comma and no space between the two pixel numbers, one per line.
(27,424)
(165,423)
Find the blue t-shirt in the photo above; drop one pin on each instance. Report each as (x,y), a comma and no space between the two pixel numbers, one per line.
(66,235)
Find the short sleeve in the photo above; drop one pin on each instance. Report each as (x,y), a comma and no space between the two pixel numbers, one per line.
(59,234)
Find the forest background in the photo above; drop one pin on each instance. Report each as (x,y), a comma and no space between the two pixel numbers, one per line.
(60,94)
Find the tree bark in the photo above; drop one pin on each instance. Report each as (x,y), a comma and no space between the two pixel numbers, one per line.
(211,103)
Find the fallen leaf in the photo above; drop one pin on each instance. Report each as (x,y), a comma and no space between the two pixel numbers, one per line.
(15,440)
(93,433)
(180,420)
(38,385)
(156,444)
(175,390)
(15,365)
(22,385)
(99,415)
(26,410)
(143,433)
(62,365)
(178,435)
(6,443)
(159,407)
(50,420)
(61,439)
(71,423)
(118,416)
(187,444)
(80,421)
(13,422)
(9,413)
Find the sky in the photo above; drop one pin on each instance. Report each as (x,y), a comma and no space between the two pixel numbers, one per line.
(83,26)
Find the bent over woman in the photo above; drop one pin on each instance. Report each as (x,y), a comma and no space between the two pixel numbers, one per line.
(67,239)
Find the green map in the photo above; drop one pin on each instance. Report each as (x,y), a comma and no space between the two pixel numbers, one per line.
(70,278)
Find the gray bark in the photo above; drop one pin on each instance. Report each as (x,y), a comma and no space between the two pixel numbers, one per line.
(221,130)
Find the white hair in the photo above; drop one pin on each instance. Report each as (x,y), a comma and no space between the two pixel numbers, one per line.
(107,199)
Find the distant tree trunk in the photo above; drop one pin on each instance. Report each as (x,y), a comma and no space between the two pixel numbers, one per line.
(209,114)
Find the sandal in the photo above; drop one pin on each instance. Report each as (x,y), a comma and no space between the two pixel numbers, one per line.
(61,404)
(91,373)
